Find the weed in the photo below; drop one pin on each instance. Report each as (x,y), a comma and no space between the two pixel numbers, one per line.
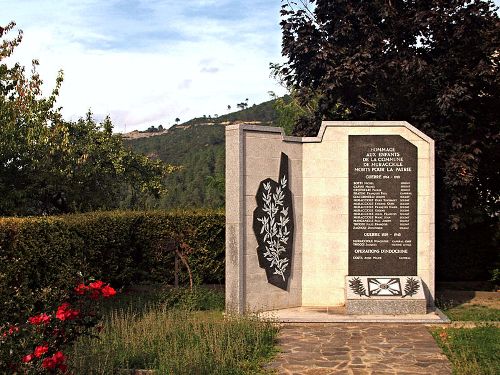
(176,342)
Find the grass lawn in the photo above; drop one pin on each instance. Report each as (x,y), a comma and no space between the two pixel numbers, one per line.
(472,351)
(476,313)
(169,332)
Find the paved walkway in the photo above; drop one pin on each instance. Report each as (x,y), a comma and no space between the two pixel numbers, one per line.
(315,349)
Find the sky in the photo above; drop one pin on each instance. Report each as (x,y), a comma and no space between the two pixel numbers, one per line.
(148,62)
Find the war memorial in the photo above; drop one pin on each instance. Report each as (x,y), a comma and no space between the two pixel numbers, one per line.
(341,222)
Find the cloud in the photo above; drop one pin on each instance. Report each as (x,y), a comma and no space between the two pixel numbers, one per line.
(147,62)
(209,69)
(186,84)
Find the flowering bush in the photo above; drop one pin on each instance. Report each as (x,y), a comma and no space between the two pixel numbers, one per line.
(37,346)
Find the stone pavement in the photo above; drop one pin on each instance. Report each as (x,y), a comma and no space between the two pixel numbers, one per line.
(365,348)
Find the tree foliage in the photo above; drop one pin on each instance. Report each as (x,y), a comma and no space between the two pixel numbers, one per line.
(289,110)
(432,63)
(199,152)
(48,165)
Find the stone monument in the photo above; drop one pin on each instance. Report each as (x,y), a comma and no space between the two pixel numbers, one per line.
(348,222)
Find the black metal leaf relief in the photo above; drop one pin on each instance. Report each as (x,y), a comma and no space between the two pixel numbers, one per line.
(357,287)
(411,287)
(273,226)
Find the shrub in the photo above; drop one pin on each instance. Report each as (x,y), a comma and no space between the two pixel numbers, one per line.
(37,346)
(198,299)
(42,257)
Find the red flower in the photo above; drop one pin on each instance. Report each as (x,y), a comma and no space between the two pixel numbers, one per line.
(49,363)
(41,350)
(73,314)
(61,311)
(98,284)
(13,329)
(57,360)
(39,319)
(81,289)
(59,357)
(64,312)
(108,291)
(28,358)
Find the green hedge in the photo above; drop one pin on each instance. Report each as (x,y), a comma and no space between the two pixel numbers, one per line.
(43,257)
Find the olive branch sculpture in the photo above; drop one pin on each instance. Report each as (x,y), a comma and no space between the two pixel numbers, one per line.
(357,287)
(411,287)
(273,226)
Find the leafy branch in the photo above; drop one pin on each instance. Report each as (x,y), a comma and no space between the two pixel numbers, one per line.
(411,287)
(274,225)
(357,287)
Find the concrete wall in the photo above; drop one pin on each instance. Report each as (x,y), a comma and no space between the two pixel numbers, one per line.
(252,155)
(319,184)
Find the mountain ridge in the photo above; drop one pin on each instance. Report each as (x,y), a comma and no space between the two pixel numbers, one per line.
(198,146)
(258,114)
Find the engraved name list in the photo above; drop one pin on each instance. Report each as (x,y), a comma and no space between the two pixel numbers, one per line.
(382,205)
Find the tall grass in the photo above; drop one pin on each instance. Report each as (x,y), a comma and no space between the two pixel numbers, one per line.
(176,342)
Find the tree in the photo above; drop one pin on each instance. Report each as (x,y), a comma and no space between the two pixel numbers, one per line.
(177,120)
(48,165)
(434,64)
(242,105)
(289,111)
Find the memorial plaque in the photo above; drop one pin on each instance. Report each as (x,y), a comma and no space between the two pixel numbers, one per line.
(382,206)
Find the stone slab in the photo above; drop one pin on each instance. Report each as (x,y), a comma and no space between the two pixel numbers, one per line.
(382,205)
(337,314)
(389,306)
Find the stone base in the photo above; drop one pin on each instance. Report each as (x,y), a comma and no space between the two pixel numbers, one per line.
(386,307)
(337,314)
(385,295)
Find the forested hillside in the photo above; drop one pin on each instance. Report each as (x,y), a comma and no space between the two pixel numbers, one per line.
(199,149)
(198,146)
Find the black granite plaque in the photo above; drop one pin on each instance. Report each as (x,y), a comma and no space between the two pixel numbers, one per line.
(382,206)
(273,226)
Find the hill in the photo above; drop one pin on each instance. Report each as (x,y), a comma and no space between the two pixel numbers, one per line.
(264,113)
(198,146)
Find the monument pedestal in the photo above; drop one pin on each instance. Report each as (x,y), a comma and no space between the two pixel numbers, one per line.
(380,295)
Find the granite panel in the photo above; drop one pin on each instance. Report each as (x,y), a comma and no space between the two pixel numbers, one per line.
(386,307)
